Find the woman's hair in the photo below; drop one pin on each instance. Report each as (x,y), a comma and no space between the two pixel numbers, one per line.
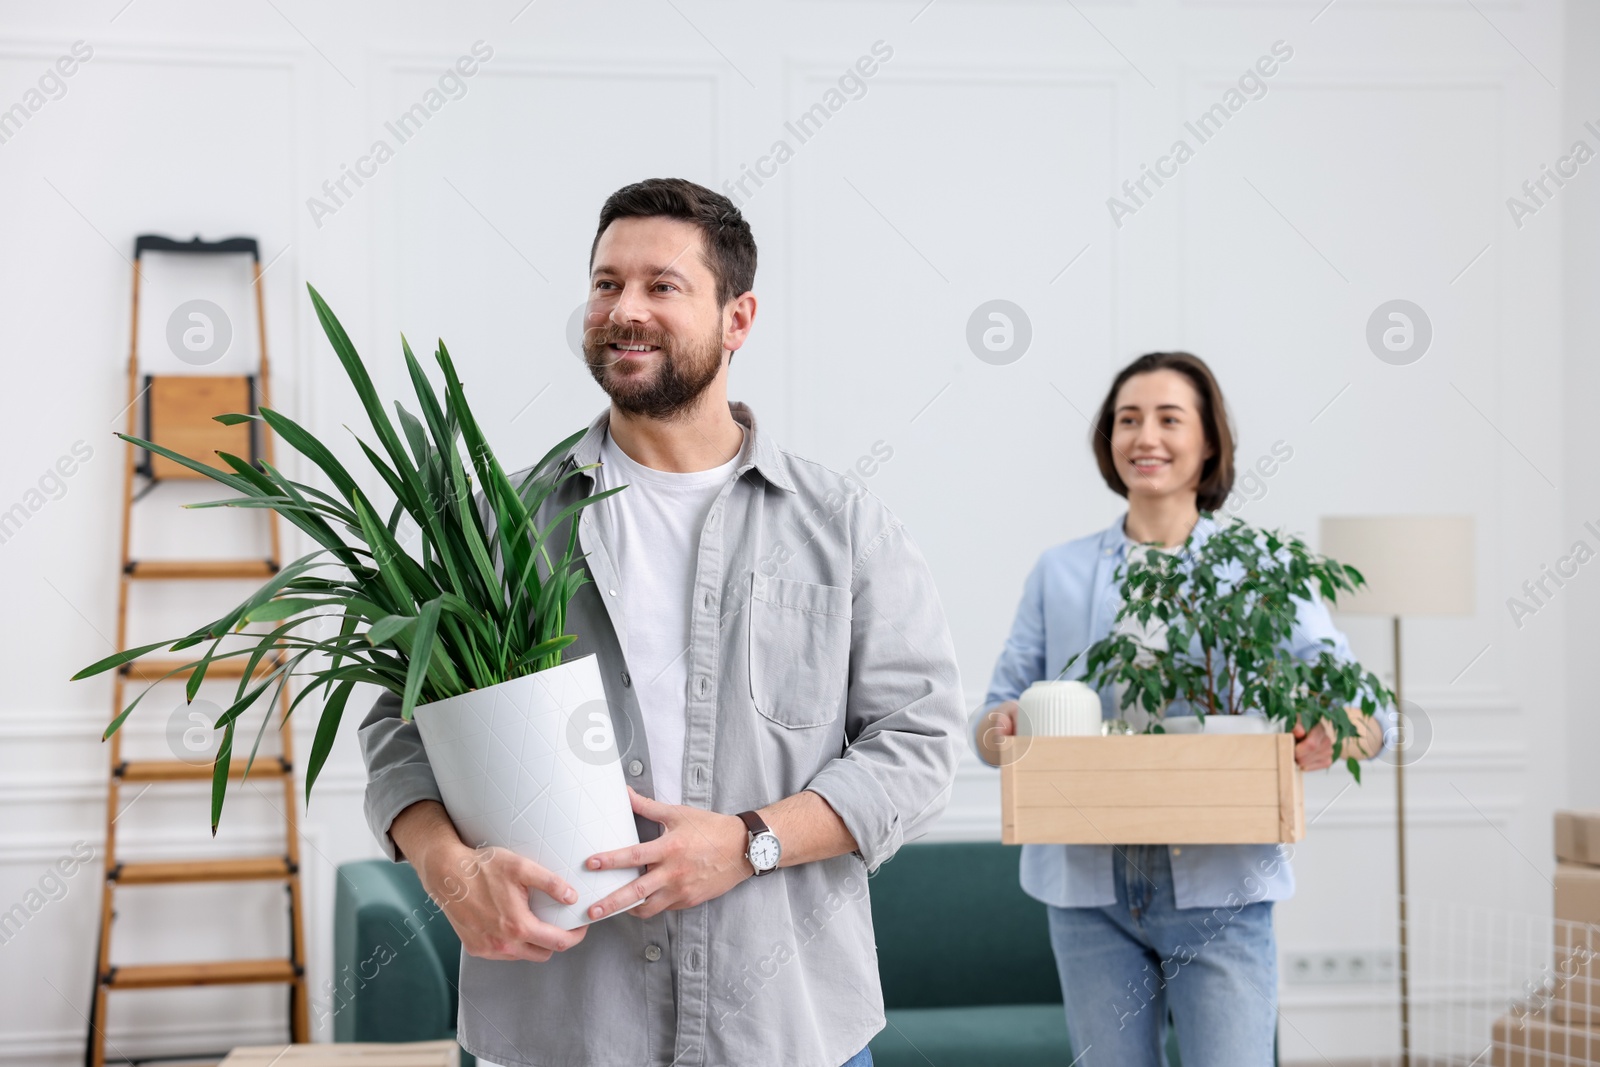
(1216,473)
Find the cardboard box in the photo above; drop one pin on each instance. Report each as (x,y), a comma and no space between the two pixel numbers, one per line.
(1532,1040)
(1578,893)
(410,1054)
(1151,789)
(1578,837)
(1575,988)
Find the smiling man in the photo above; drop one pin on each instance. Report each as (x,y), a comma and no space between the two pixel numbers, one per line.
(782,685)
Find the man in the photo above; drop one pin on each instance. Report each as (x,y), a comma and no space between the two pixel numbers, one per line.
(782,685)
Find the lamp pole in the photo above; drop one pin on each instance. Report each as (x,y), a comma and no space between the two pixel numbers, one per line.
(1401,740)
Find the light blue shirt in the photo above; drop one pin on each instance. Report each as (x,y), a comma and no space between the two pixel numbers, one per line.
(1069,601)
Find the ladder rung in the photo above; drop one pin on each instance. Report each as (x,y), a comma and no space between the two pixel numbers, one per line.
(217,972)
(150,670)
(233,869)
(172,770)
(201,568)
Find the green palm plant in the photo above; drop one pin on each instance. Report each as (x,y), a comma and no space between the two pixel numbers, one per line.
(482,598)
(1228,609)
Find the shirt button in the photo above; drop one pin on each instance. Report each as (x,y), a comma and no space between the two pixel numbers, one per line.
(613,592)
(635,767)
(652,952)
(1177,851)
(627,679)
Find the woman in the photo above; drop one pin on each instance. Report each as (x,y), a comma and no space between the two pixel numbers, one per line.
(1139,929)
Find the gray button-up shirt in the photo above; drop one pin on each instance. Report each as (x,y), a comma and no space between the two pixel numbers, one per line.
(819,659)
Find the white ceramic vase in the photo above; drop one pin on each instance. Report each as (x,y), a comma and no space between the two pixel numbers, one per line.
(1059,709)
(531,765)
(1220,724)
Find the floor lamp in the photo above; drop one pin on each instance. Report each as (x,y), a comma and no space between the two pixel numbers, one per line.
(1414,565)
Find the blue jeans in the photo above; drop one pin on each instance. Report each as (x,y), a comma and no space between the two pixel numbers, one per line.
(860,1059)
(1125,965)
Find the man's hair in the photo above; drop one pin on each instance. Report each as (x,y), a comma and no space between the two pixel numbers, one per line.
(730,250)
(1216,474)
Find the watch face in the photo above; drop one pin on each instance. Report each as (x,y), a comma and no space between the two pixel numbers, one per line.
(764,852)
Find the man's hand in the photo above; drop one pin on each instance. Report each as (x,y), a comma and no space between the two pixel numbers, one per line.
(698,857)
(483,892)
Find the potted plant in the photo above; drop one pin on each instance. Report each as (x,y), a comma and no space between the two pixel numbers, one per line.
(1226,607)
(468,628)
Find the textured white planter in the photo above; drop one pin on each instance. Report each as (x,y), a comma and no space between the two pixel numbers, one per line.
(531,765)
(1059,709)
(1220,724)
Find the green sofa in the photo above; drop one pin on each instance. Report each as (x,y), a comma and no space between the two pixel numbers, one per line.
(964,954)
(396,959)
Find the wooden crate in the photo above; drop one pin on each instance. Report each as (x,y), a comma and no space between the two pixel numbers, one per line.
(1151,789)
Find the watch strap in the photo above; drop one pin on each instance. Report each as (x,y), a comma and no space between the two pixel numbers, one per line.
(753,822)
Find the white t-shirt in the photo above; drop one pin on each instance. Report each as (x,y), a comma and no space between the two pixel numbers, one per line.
(653,527)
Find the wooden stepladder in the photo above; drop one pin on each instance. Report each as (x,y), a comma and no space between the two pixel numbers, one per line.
(176,410)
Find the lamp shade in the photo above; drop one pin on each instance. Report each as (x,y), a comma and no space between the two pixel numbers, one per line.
(1413,564)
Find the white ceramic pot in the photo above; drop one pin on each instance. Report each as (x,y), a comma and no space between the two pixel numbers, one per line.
(1220,724)
(531,765)
(1059,709)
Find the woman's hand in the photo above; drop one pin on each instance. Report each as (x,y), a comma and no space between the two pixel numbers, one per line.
(1001,721)
(1314,752)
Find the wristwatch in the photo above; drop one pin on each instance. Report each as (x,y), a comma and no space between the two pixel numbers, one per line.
(764,849)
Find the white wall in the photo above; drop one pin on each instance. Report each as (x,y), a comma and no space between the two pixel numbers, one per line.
(976,167)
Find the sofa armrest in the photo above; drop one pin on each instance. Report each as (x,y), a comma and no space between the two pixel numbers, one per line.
(396,959)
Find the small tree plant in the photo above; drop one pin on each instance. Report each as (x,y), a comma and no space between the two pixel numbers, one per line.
(1228,608)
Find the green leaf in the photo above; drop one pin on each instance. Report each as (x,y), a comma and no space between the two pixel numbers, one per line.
(117,659)
(327,730)
(421,654)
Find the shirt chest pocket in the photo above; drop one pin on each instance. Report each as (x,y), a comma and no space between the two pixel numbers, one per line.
(799,650)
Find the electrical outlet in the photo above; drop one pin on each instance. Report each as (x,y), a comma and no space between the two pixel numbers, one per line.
(1341,967)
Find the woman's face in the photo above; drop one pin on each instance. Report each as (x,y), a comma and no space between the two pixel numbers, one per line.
(1157,439)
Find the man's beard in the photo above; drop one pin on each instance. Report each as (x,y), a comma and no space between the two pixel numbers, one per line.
(662,392)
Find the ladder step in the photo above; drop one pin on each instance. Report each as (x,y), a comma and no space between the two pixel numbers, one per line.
(163,569)
(150,670)
(172,770)
(218,972)
(234,869)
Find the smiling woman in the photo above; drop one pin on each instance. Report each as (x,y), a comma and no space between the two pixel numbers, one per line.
(1120,913)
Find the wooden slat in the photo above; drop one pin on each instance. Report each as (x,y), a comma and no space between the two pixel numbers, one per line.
(179,771)
(235,869)
(180,569)
(410,1054)
(1137,789)
(1287,780)
(212,972)
(181,409)
(151,670)
(1148,752)
(1208,824)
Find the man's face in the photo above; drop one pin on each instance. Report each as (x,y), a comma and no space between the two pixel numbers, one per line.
(653,331)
